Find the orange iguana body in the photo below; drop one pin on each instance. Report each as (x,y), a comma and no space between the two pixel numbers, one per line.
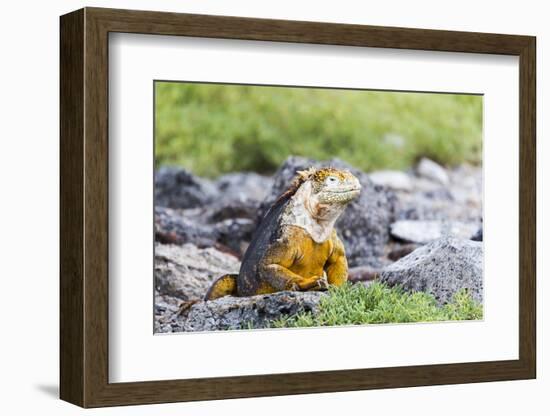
(296,246)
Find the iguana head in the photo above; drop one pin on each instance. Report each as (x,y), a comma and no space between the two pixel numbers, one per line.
(318,197)
(330,185)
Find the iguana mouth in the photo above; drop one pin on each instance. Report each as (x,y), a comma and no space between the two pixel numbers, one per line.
(344,191)
(339,195)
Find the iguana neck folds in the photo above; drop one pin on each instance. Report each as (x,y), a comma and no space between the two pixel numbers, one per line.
(305,211)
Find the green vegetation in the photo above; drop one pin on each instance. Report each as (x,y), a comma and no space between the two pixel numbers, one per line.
(378,304)
(213,129)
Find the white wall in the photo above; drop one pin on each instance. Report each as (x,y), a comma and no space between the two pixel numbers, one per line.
(29,210)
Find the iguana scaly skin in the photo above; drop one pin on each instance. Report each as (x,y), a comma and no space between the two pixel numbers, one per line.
(295,246)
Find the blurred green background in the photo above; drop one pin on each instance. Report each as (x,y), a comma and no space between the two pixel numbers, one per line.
(212,129)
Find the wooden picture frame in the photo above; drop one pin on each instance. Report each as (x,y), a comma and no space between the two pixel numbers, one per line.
(84,207)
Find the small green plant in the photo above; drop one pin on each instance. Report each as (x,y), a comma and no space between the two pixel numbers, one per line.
(355,304)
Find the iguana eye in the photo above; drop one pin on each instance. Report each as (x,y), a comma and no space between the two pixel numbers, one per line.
(331,180)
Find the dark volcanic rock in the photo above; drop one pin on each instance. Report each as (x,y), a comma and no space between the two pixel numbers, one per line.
(364,225)
(401,250)
(235,233)
(478,236)
(171,227)
(362,274)
(189,226)
(254,311)
(190,209)
(441,268)
(224,209)
(177,188)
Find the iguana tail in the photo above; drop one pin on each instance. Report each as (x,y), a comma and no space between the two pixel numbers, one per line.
(224,286)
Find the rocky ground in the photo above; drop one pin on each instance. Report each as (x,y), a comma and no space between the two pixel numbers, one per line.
(420,229)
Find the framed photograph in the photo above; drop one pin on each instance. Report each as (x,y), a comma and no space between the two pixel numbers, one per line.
(254,207)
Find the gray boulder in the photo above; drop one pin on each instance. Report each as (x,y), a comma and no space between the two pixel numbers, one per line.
(243,186)
(186,272)
(249,312)
(392,179)
(431,170)
(441,268)
(364,226)
(422,232)
(177,188)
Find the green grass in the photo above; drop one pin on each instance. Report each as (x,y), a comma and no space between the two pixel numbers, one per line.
(213,129)
(379,304)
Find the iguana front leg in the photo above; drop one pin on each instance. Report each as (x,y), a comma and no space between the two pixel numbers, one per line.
(275,269)
(282,278)
(337,265)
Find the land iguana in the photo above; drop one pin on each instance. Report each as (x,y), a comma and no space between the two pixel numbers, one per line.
(295,246)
